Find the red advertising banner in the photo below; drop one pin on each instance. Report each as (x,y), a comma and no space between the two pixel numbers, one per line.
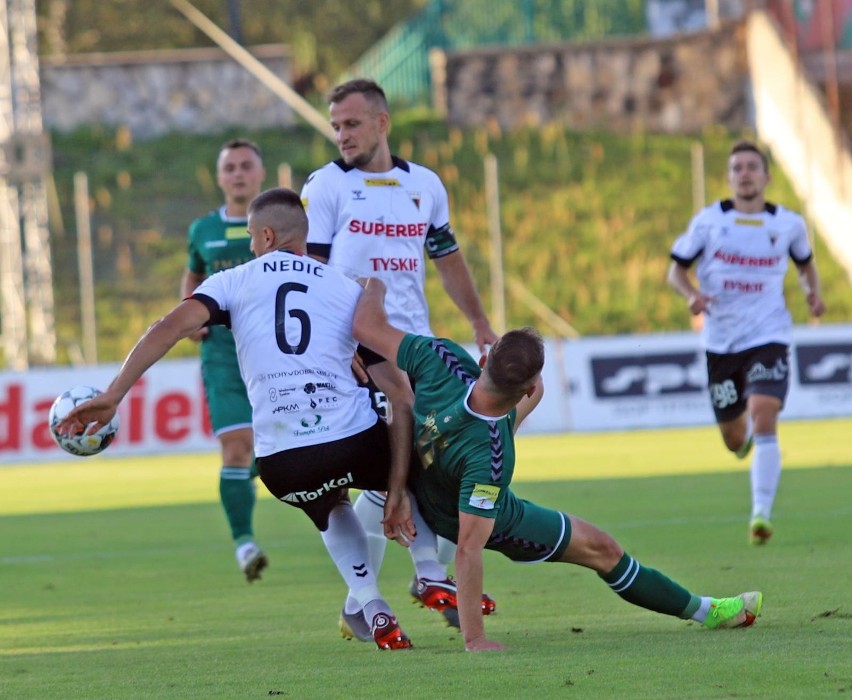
(164,411)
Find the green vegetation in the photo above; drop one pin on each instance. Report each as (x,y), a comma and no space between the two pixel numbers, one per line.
(587,221)
(118,581)
(325,36)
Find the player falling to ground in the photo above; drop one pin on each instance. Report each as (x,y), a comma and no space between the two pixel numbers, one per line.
(315,432)
(741,246)
(373,214)
(465,418)
(219,241)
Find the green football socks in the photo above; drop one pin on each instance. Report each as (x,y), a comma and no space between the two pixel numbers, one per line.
(237,492)
(650,589)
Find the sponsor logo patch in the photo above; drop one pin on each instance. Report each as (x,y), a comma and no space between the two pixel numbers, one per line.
(236,232)
(381,182)
(313,494)
(484,496)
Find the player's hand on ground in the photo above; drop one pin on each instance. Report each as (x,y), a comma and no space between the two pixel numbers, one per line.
(94,413)
(397,520)
(484,644)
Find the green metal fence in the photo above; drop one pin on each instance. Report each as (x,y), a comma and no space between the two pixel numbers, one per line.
(400,63)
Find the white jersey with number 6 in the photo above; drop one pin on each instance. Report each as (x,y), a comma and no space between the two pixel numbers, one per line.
(292,322)
(742,261)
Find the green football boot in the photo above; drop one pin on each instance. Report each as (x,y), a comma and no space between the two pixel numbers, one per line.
(739,611)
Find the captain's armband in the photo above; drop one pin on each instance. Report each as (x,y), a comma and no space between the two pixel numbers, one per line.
(440,241)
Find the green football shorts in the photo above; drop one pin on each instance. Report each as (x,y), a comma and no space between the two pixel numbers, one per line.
(539,534)
(227,399)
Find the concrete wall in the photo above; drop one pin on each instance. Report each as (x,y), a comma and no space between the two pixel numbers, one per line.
(154,92)
(678,84)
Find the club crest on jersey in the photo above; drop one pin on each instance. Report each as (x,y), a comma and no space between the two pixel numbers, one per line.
(381,182)
(773,237)
(358,195)
(415,197)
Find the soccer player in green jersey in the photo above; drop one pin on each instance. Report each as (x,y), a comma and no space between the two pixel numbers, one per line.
(465,416)
(218,241)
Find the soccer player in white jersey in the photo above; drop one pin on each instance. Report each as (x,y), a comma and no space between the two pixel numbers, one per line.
(373,214)
(315,432)
(741,246)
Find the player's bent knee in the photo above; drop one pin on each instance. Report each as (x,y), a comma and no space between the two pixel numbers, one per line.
(592,547)
(609,553)
(733,445)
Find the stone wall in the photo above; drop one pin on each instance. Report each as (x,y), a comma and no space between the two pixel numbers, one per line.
(679,84)
(155,92)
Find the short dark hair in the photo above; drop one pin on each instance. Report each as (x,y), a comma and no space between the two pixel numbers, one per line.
(750,147)
(370,89)
(280,196)
(241,143)
(514,361)
(282,210)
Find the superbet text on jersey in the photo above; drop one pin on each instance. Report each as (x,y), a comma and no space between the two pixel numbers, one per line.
(742,261)
(382,225)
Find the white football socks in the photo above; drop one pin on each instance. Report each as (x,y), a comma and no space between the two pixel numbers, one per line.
(765,475)
(424,548)
(346,542)
(446,551)
(369,507)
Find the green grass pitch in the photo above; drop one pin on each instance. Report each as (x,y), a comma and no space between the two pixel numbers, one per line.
(117,580)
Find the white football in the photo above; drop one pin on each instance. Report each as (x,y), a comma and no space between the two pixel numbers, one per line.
(80,445)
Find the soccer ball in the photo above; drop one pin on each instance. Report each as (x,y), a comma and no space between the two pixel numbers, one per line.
(80,445)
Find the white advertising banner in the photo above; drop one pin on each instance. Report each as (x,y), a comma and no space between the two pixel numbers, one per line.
(656,381)
(591,384)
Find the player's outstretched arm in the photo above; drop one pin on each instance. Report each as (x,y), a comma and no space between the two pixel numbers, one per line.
(397,387)
(809,279)
(186,318)
(188,284)
(370,325)
(457,280)
(474,532)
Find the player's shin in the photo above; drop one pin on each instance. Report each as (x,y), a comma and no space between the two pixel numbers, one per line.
(648,588)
